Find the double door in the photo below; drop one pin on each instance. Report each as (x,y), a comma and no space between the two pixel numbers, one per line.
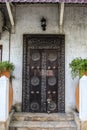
(43,80)
(43,86)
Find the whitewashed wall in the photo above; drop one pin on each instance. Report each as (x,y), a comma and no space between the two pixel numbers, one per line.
(75,28)
(28,22)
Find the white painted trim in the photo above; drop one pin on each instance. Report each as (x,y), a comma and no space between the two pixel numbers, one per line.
(10,13)
(83,98)
(61,17)
(4,98)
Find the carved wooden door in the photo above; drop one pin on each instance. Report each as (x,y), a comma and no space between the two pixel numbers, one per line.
(43,86)
(43,80)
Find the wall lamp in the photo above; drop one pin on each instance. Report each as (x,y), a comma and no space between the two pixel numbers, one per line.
(43,23)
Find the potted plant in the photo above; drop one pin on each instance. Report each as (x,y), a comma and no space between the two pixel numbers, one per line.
(6,68)
(78,68)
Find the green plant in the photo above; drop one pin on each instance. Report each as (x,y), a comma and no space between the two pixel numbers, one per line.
(6,66)
(78,67)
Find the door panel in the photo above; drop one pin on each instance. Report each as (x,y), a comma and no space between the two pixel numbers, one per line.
(35,81)
(51,78)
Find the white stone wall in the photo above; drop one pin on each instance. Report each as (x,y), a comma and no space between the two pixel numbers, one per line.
(28,22)
(75,29)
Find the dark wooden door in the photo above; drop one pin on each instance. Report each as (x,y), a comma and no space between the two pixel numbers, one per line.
(43,73)
(43,80)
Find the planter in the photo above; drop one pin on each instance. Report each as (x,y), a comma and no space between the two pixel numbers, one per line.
(77,92)
(6,68)
(5,73)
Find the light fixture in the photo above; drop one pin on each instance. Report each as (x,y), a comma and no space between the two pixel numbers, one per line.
(43,23)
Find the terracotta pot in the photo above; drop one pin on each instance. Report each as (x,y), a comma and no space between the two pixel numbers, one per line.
(77,97)
(10,96)
(5,73)
(85,73)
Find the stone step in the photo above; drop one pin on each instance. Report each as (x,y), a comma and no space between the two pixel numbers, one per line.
(43,129)
(37,125)
(43,117)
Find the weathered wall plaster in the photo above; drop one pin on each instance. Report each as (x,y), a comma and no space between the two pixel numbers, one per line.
(28,22)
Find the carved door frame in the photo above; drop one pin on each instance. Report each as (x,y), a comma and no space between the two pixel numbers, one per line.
(36,41)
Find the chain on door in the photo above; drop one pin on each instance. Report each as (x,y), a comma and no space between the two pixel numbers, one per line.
(43,80)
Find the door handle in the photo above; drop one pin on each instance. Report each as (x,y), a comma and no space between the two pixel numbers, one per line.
(48,104)
(48,100)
